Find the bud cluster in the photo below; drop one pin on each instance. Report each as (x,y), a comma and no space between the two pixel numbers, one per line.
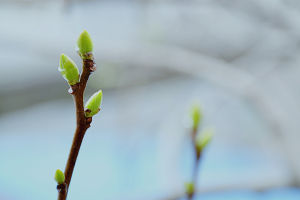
(202,139)
(70,72)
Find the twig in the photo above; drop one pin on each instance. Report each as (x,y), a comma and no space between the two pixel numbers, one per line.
(82,124)
(62,191)
(197,163)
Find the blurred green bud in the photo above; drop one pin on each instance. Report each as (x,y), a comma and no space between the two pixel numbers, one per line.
(68,69)
(85,44)
(92,106)
(189,188)
(196,116)
(59,177)
(204,139)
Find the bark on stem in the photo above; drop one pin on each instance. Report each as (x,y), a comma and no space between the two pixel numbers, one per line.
(62,192)
(82,124)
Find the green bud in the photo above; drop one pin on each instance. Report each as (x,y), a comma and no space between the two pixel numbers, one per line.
(68,69)
(92,106)
(196,116)
(59,177)
(189,188)
(85,44)
(204,139)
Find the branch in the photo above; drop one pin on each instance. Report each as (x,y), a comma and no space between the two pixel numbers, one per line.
(62,192)
(82,123)
(190,195)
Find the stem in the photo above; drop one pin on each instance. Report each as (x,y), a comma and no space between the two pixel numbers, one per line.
(62,191)
(197,163)
(82,124)
(195,175)
(62,195)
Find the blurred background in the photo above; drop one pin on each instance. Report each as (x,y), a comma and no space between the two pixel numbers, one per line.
(238,59)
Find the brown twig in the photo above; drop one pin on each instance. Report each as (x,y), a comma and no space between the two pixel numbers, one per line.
(82,124)
(62,192)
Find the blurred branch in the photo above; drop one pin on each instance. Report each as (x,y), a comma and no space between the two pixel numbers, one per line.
(254,186)
(218,72)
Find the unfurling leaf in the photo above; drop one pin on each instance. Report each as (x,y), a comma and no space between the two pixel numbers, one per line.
(204,139)
(196,116)
(59,177)
(85,44)
(68,69)
(92,106)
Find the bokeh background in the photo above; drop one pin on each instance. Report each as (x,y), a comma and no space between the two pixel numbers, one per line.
(238,59)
